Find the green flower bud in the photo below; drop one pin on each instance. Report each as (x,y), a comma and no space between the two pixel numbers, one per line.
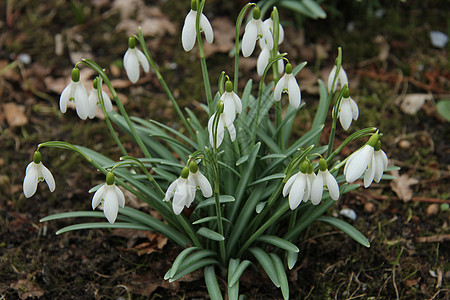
(37,157)
(94,83)
(373,139)
(346,92)
(185,173)
(288,68)
(256,13)
(194,5)
(228,86)
(193,167)
(110,178)
(377,146)
(305,166)
(75,74)
(131,42)
(323,165)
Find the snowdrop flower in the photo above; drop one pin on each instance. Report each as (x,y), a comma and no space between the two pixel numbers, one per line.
(34,173)
(94,100)
(288,84)
(324,179)
(198,180)
(367,161)
(223,122)
(299,185)
(348,110)
(189,32)
(182,191)
(269,23)
(341,79)
(255,29)
(110,197)
(232,104)
(263,59)
(76,92)
(131,60)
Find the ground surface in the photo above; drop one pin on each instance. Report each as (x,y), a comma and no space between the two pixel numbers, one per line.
(389,59)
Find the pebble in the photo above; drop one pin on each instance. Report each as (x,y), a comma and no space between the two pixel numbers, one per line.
(369,207)
(432,209)
(404,144)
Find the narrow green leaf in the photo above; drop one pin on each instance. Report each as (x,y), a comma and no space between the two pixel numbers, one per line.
(291,259)
(281,273)
(211,201)
(347,229)
(73,214)
(298,68)
(279,242)
(315,8)
(193,267)
(124,225)
(242,160)
(272,156)
(177,262)
(266,263)
(260,206)
(238,272)
(196,256)
(233,291)
(211,283)
(208,219)
(268,178)
(210,234)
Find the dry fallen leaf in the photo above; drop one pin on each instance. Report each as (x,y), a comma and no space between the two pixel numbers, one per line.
(15,115)
(412,103)
(223,28)
(401,187)
(27,289)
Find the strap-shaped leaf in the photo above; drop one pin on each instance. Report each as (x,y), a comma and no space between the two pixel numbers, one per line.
(193,267)
(233,291)
(268,178)
(210,234)
(211,283)
(177,262)
(238,272)
(291,259)
(208,219)
(281,273)
(211,201)
(266,263)
(196,256)
(279,242)
(96,225)
(347,228)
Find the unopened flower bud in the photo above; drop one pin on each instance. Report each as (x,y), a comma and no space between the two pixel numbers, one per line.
(193,167)
(288,69)
(228,86)
(37,157)
(110,178)
(131,42)
(75,74)
(256,13)
(185,173)
(346,92)
(323,165)
(194,5)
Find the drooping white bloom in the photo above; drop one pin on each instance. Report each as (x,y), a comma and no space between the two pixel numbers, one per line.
(381,162)
(111,197)
(76,92)
(232,104)
(288,84)
(254,30)
(182,191)
(298,185)
(269,23)
(263,59)
(223,122)
(189,32)
(198,180)
(94,101)
(34,173)
(132,59)
(348,111)
(341,79)
(324,179)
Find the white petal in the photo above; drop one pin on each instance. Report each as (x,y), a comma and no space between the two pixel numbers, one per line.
(237,103)
(263,60)
(31,180)
(171,190)
(280,34)
(280,65)
(297,191)
(65,96)
(98,196)
(143,60)
(288,185)
(220,133)
(330,80)
(81,101)
(120,196)
(206,28)
(355,110)
(267,35)
(107,102)
(131,65)
(345,114)
(110,206)
(370,173)
(317,189)
(249,38)
(92,100)
(279,88)
(228,106)
(342,76)
(188,33)
(333,186)
(294,92)
(48,177)
(358,164)
(204,184)
(230,127)
(309,178)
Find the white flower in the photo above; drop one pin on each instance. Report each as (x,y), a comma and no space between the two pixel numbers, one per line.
(299,186)
(76,92)
(189,32)
(224,121)
(380,162)
(182,191)
(288,84)
(232,104)
(341,79)
(198,180)
(255,29)
(324,179)
(269,23)
(263,59)
(94,101)
(111,197)
(348,110)
(131,60)
(34,173)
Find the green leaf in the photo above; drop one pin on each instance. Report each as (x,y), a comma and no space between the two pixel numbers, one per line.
(268,178)
(260,206)
(272,156)
(315,8)
(74,214)
(211,201)
(242,160)
(279,268)
(193,267)
(124,225)
(298,68)
(279,242)
(443,108)
(208,219)
(238,272)
(347,228)
(177,262)
(210,234)
(266,263)
(233,291)
(211,283)
(291,259)
(196,256)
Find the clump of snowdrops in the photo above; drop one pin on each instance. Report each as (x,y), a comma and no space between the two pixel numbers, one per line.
(259,188)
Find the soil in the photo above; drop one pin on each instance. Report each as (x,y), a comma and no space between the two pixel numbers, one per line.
(388,57)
